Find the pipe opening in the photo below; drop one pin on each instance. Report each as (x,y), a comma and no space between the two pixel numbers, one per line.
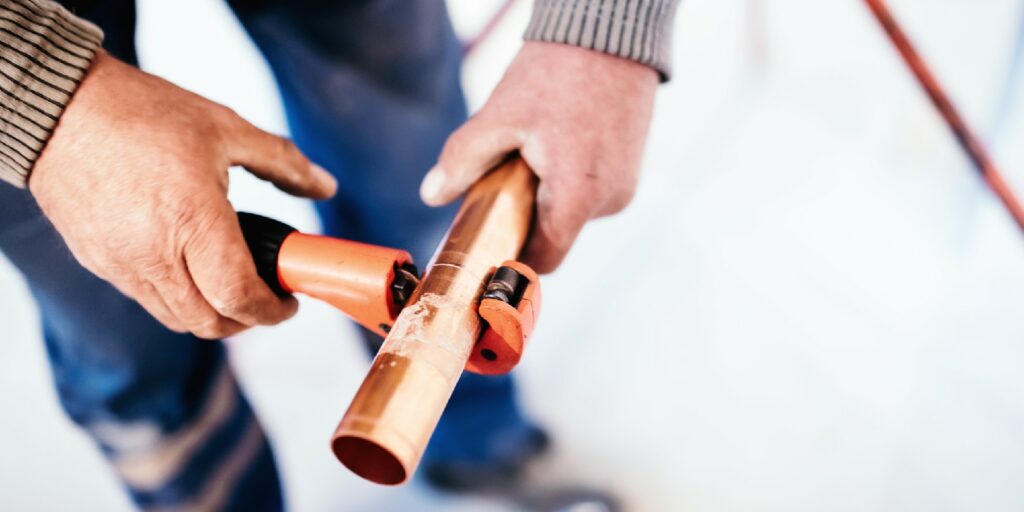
(369,460)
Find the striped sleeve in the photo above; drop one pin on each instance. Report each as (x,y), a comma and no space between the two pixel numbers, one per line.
(44,53)
(639,30)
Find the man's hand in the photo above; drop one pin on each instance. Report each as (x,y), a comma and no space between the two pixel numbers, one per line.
(579,118)
(135,179)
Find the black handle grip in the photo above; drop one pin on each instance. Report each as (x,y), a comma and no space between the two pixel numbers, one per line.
(264,237)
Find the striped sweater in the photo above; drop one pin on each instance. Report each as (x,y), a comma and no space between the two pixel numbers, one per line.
(45,52)
(639,30)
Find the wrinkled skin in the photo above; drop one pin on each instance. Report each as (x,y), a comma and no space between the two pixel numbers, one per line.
(579,118)
(135,179)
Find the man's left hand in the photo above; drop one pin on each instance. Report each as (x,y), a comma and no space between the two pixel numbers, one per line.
(579,118)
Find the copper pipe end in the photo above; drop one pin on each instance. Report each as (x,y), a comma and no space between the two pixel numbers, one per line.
(387,427)
(364,457)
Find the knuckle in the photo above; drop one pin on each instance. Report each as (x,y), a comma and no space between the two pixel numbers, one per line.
(234,302)
(288,148)
(206,333)
(298,161)
(167,320)
(458,140)
(175,328)
(563,226)
(210,327)
(222,123)
(462,134)
(289,156)
(226,114)
(559,235)
(129,284)
(618,201)
(229,304)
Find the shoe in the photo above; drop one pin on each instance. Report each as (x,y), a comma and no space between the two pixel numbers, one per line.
(513,482)
(461,476)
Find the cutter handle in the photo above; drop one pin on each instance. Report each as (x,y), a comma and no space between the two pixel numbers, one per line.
(369,283)
(265,236)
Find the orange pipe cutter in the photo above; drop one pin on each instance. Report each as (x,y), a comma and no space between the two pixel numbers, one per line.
(371,284)
(471,310)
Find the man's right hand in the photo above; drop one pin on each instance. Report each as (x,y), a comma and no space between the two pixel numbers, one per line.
(135,179)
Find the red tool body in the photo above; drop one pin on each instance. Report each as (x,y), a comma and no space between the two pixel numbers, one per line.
(508,327)
(371,284)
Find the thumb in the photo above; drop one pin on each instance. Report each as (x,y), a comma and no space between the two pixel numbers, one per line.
(277,160)
(469,153)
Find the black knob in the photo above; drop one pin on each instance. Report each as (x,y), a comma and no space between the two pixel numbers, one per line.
(264,237)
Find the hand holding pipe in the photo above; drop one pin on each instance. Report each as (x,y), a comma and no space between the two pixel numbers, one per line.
(474,309)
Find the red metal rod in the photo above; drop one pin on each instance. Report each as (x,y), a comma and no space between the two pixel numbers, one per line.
(970,142)
(489,27)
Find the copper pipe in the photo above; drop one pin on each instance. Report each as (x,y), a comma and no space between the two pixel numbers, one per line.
(970,142)
(384,432)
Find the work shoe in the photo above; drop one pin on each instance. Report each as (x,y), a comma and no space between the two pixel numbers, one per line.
(512,481)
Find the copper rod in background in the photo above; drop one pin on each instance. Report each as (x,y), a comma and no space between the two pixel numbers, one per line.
(970,142)
(488,28)
(384,432)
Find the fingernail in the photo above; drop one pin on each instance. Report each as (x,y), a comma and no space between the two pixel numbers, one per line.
(430,189)
(324,177)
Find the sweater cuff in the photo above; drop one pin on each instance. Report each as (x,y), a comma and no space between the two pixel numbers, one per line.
(45,51)
(638,30)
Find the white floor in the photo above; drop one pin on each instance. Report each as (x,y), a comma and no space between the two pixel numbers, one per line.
(813,304)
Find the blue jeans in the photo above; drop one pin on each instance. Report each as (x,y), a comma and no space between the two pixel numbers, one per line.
(371,90)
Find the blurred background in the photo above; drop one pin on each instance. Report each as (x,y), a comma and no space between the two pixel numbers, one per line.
(812,304)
